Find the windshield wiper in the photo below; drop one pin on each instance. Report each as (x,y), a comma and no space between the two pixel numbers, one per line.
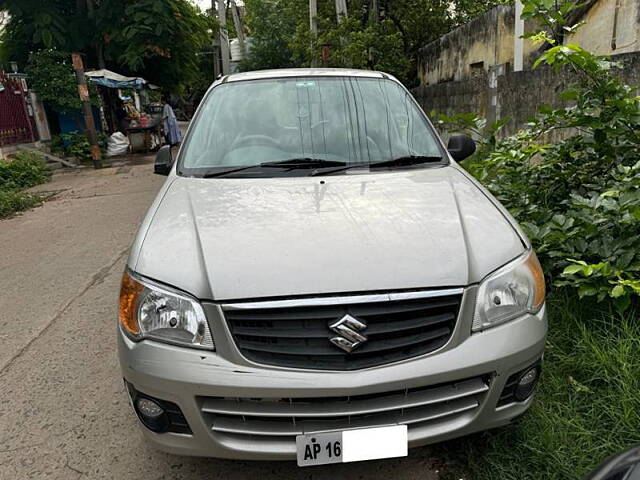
(326,167)
(227,171)
(305,162)
(291,163)
(395,162)
(405,161)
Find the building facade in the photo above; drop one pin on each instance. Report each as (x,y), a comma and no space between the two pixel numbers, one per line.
(610,28)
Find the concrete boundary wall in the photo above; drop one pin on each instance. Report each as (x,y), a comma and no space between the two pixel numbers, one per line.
(502,93)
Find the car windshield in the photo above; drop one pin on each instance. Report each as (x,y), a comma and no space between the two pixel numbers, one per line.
(306,122)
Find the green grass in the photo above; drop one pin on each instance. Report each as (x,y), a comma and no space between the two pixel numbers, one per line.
(13,201)
(24,171)
(587,407)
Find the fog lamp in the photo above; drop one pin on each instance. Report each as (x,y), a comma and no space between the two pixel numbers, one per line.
(526,384)
(151,414)
(149,408)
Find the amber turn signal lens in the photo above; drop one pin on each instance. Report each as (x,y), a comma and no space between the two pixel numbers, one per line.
(538,277)
(129,291)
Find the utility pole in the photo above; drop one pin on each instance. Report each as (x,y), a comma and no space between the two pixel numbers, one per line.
(238,24)
(374,17)
(341,9)
(83,91)
(518,47)
(313,26)
(224,37)
(214,44)
(313,18)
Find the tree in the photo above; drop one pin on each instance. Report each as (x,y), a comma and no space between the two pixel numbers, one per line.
(157,39)
(51,75)
(38,24)
(387,39)
(273,25)
(466,10)
(377,46)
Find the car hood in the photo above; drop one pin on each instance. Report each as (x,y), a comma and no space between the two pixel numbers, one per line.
(227,238)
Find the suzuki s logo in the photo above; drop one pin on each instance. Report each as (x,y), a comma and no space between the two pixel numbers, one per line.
(347,328)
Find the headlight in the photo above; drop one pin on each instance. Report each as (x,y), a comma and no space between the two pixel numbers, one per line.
(150,311)
(512,291)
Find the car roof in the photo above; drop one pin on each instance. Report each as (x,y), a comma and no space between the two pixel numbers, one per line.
(302,72)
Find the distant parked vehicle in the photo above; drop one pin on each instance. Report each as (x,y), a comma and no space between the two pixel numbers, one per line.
(319,280)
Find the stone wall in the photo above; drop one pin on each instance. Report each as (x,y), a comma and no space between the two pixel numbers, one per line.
(472,49)
(455,97)
(512,95)
(485,47)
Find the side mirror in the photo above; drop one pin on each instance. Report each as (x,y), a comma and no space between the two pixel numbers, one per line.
(461,147)
(164,161)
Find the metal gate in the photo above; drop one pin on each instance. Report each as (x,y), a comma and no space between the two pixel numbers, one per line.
(15,122)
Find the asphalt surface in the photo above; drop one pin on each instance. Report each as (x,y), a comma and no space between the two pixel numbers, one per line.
(63,410)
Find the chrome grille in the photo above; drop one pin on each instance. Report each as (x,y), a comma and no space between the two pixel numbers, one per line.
(283,417)
(296,335)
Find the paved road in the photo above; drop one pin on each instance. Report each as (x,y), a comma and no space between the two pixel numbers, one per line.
(63,411)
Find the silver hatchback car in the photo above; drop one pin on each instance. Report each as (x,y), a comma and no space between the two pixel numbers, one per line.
(318,277)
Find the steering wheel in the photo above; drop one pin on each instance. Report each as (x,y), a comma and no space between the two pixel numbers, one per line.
(254,141)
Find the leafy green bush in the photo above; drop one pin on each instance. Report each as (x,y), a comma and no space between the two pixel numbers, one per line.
(24,171)
(51,75)
(578,199)
(12,201)
(75,145)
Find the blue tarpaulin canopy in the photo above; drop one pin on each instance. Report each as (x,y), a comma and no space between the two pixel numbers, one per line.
(107,78)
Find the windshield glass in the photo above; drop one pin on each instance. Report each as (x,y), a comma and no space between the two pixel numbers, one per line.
(334,120)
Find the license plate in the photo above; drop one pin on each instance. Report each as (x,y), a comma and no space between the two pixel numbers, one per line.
(351,445)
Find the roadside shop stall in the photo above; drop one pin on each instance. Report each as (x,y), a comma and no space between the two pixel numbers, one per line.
(124,113)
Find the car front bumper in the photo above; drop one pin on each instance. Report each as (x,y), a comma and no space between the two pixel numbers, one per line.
(191,378)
